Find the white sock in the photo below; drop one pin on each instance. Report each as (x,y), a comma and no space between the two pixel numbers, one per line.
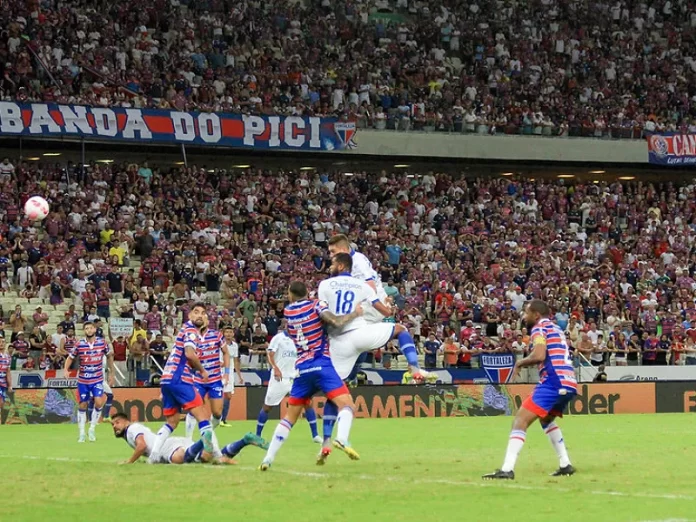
(515,443)
(96,415)
(215,421)
(344,422)
(162,435)
(279,436)
(216,447)
(556,438)
(191,424)
(81,420)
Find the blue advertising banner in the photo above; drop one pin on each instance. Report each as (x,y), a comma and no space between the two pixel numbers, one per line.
(498,367)
(672,149)
(167,126)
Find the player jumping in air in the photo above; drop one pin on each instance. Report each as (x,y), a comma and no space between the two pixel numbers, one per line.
(90,352)
(314,369)
(176,450)
(282,356)
(5,374)
(557,387)
(176,384)
(343,293)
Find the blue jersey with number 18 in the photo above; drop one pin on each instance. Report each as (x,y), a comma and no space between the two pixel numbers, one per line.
(306,329)
(342,293)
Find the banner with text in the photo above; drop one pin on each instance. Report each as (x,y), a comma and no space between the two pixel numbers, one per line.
(651,373)
(121,326)
(676,150)
(498,367)
(165,126)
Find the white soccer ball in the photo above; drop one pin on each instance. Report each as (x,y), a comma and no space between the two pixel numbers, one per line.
(36,208)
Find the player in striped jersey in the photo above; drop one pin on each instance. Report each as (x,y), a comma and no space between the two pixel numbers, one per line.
(557,387)
(90,353)
(5,374)
(178,390)
(306,319)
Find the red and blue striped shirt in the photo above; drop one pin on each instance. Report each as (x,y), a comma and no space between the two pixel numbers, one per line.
(91,357)
(176,369)
(557,369)
(5,361)
(209,351)
(306,329)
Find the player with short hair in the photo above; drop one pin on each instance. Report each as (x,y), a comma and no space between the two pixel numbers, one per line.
(5,373)
(228,390)
(315,372)
(90,353)
(177,386)
(343,292)
(282,355)
(557,387)
(176,450)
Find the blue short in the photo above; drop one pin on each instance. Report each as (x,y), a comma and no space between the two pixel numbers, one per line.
(87,391)
(317,375)
(546,400)
(212,390)
(177,397)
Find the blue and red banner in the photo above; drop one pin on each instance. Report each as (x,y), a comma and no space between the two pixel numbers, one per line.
(672,149)
(498,367)
(167,126)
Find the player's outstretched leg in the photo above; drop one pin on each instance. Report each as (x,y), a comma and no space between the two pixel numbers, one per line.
(329,419)
(96,415)
(408,347)
(250,439)
(262,419)
(311,417)
(82,421)
(555,436)
(518,435)
(190,425)
(280,435)
(344,422)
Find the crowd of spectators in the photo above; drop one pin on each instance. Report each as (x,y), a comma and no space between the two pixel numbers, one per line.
(459,256)
(551,67)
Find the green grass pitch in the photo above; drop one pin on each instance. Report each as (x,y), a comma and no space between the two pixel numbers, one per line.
(631,468)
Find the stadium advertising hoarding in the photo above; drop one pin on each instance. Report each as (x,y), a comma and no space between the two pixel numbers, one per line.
(672,149)
(651,373)
(165,126)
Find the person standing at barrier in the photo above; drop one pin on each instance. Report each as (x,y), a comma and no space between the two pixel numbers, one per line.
(5,373)
(557,387)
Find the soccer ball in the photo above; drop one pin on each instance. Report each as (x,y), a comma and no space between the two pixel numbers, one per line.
(36,208)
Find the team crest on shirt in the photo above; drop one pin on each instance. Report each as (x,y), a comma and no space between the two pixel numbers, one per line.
(498,367)
(345,132)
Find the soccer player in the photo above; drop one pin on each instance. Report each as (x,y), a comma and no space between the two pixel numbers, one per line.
(557,387)
(313,368)
(5,374)
(176,450)
(176,384)
(210,350)
(228,390)
(282,356)
(343,292)
(90,353)
(108,393)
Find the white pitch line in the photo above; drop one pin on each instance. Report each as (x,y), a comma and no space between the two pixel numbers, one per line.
(448,482)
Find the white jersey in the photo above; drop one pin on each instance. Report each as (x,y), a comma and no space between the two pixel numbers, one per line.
(362,269)
(134,431)
(285,354)
(343,293)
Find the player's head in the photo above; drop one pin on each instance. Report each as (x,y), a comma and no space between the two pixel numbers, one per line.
(90,329)
(197,314)
(228,332)
(339,244)
(297,291)
(120,423)
(341,263)
(536,310)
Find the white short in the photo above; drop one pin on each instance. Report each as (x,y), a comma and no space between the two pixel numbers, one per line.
(277,391)
(171,445)
(370,314)
(229,387)
(107,388)
(347,347)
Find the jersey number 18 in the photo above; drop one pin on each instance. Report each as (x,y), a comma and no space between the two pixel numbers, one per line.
(344,302)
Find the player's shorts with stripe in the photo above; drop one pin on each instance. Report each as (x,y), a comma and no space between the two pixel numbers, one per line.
(277,391)
(87,391)
(212,390)
(178,397)
(546,400)
(171,445)
(317,375)
(3,393)
(347,347)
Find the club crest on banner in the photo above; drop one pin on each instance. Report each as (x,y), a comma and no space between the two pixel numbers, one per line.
(498,367)
(345,131)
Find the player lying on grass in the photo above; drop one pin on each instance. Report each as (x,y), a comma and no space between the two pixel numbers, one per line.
(176,450)
(557,387)
(306,318)
(343,292)
(282,356)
